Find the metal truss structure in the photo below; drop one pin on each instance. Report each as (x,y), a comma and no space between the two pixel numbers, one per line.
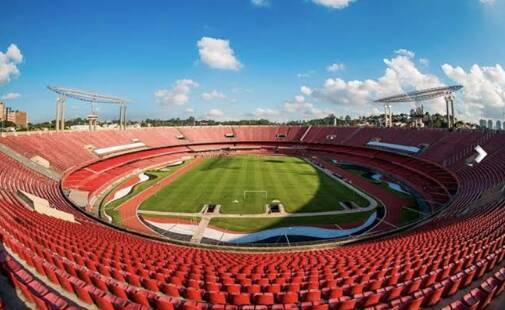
(427,94)
(91,97)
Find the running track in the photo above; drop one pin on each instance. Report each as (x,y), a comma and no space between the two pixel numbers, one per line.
(393,203)
(128,210)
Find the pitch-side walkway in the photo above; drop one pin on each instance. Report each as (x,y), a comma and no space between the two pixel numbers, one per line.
(202,226)
(262,215)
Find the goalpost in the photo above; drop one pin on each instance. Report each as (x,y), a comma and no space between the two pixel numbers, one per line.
(256,192)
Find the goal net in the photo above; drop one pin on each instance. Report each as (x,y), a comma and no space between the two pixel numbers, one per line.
(255,198)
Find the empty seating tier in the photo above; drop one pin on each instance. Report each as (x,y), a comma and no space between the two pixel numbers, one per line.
(455,260)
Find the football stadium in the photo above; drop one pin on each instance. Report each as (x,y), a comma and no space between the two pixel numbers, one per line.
(293,207)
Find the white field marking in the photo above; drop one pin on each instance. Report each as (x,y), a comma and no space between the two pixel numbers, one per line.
(343,205)
(371,201)
(367,208)
(393,225)
(420,212)
(338,226)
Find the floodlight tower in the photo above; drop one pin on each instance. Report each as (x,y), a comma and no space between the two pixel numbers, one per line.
(90,97)
(123,112)
(60,113)
(92,117)
(428,94)
(388,115)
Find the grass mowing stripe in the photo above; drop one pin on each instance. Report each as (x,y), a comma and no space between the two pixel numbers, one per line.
(182,188)
(298,185)
(237,189)
(299,188)
(280,187)
(220,191)
(154,176)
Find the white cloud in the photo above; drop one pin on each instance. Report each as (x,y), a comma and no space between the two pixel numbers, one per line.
(189,111)
(406,53)
(483,92)
(239,90)
(14,54)
(218,54)
(300,108)
(334,4)
(297,104)
(8,63)
(266,113)
(487,1)
(178,94)
(215,113)
(213,95)
(401,75)
(317,113)
(10,96)
(335,67)
(306,91)
(408,75)
(260,3)
(304,75)
(424,61)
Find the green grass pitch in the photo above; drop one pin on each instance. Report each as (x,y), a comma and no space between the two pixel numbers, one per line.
(154,176)
(222,180)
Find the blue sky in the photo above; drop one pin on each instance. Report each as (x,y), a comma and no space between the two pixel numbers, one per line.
(235,59)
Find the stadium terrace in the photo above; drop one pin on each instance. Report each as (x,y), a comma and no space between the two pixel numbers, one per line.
(75,251)
(252,155)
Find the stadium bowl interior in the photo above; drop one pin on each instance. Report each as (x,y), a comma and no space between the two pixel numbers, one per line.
(67,255)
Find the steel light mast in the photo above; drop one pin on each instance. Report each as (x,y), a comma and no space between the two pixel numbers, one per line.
(91,97)
(428,94)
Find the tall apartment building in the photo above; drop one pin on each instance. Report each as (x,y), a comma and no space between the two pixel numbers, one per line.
(3,111)
(489,124)
(19,118)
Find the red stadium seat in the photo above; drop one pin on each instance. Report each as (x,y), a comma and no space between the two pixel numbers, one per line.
(461,247)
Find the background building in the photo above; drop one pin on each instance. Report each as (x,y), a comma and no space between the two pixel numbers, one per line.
(2,111)
(20,118)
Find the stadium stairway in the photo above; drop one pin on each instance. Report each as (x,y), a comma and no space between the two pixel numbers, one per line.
(48,172)
(62,265)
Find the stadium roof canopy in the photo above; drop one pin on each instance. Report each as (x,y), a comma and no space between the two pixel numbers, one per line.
(87,96)
(422,95)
